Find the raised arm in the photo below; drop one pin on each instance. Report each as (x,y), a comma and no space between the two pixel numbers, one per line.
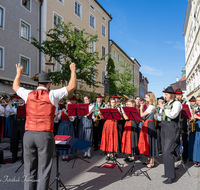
(16,82)
(72,82)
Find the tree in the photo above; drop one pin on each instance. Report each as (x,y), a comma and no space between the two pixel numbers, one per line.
(124,80)
(63,42)
(112,82)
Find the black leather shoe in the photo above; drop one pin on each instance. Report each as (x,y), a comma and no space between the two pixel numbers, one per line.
(126,159)
(14,160)
(163,176)
(95,149)
(169,180)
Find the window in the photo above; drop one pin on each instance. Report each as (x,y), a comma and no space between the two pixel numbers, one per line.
(78,8)
(92,47)
(1,17)
(54,67)
(92,7)
(56,20)
(103,52)
(103,31)
(103,18)
(61,62)
(25,30)
(76,30)
(114,54)
(118,57)
(26,4)
(92,21)
(25,63)
(62,1)
(1,57)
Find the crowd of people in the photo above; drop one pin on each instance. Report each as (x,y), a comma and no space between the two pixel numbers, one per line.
(158,132)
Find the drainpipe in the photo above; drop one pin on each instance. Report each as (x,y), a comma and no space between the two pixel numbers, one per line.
(40,33)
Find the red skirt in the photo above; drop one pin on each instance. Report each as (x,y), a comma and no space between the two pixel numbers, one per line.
(126,138)
(143,144)
(107,140)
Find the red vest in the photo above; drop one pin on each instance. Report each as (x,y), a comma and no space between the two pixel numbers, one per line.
(64,117)
(39,111)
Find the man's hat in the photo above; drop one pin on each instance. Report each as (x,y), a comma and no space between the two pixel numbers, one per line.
(115,96)
(43,77)
(73,98)
(169,90)
(15,96)
(192,99)
(79,100)
(99,96)
(162,98)
(178,91)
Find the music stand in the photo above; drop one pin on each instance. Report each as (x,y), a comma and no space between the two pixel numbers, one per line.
(57,179)
(21,114)
(78,110)
(133,115)
(111,114)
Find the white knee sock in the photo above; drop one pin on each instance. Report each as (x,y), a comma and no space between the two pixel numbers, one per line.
(88,152)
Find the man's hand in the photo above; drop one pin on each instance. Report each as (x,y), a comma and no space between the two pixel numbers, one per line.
(10,104)
(19,69)
(161,106)
(73,67)
(95,119)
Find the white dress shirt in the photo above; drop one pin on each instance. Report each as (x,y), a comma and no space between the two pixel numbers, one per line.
(10,111)
(54,95)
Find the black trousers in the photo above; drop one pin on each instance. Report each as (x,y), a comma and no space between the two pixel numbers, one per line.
(169,133)
(55,130)
(97,133)
(17,134)
(76,124)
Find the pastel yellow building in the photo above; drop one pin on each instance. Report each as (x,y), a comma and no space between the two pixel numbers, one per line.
(84,14)
(119,56)
(192,48)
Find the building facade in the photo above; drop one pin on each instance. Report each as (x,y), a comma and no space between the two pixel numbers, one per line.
(192,48)
(83,14)
(136,75)
(19,22)
(143,85)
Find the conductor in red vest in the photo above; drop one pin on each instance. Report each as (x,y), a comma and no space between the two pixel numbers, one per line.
(38,139)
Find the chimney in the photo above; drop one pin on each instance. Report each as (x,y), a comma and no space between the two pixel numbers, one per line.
(176,79)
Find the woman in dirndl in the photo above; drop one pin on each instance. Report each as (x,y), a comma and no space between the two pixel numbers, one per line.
(65,128)
(109,139)
(147,144)
(85,128)
(129,143)
(194,145)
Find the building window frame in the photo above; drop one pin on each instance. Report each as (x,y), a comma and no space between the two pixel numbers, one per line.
(79,3)
(102,30)
(114,54)
(92,7)
(2,18)
(92,47)
(118,57)
(61,1)
(28,30)
(91,15)
(27,73)
(76,29)
(102,76)
(27,8)
(1,58)
(58,15)
(102,46)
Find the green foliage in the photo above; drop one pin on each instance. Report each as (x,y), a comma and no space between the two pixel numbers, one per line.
(112,82)
(72,46)
(124,80)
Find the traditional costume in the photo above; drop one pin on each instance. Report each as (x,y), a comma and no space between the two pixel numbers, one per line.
(169,132)
(85,128)
(194,145)
(191,134)
(147,144)
(98,125)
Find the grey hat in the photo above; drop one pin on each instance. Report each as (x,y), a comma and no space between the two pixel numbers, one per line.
(43,77)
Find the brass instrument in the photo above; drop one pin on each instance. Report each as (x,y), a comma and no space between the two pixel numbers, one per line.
(192,123)
(107,96)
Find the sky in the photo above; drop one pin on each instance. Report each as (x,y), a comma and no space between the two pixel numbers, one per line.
(151,32)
